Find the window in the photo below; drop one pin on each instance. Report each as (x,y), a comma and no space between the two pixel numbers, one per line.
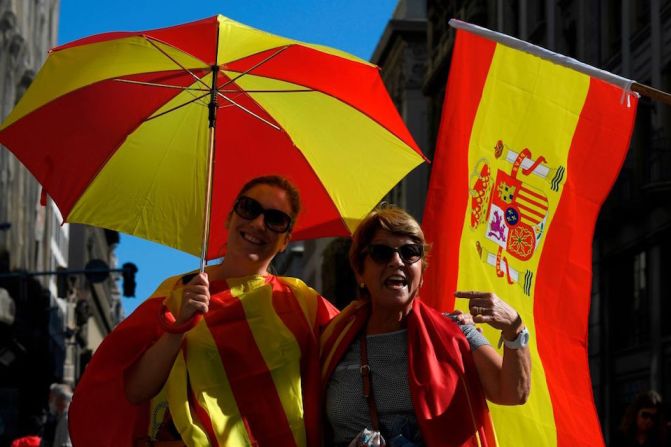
(611,11)
(628,300)
(665,286)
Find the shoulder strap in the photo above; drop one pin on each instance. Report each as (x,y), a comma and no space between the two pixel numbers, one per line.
(367,383)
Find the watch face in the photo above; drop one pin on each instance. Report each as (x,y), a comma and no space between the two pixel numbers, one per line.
(524,338)
(521,341)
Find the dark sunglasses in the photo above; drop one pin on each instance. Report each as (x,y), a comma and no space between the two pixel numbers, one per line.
(648,415)
(274,220)
(382,254)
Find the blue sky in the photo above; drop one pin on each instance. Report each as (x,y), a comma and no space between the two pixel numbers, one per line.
(351,25)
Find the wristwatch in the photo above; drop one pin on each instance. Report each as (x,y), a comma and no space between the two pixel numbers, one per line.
(522,340)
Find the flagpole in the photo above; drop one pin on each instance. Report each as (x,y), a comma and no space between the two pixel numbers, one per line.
(651,92)
(626,84)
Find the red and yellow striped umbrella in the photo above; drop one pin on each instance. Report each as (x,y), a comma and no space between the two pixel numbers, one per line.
(115,127)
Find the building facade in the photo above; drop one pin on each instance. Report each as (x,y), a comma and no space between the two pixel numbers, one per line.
(32,348)
(49,323)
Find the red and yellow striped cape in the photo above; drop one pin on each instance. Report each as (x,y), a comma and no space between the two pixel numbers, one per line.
(247,374)
(446,392)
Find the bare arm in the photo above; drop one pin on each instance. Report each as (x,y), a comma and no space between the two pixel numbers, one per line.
(506,380)
(147,376)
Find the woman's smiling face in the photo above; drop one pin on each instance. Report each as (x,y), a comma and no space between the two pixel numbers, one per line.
(391,284)
(251,239)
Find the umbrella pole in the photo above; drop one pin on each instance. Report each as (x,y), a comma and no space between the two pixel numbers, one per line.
(208,202)
(212,106)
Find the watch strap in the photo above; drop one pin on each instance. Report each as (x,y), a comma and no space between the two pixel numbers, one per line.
(521,341)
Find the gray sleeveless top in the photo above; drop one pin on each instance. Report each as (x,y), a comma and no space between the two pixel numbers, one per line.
(347,409)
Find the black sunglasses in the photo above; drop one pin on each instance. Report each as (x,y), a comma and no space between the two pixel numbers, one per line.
(648,415)
(274,220)
(382,254)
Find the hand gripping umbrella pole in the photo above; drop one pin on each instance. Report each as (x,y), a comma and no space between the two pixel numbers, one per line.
(166,319)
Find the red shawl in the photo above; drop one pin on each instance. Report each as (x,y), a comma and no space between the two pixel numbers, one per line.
(446,392)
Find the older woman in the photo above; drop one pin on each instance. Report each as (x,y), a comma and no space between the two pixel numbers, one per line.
(246,373)
(392,364)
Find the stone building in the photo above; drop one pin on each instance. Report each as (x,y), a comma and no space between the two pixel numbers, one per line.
(47,326)
(31,356)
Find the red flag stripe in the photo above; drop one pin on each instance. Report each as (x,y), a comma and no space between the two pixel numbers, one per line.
(540,197)
(601,140)
(251,382)
(530,211)
(287,308)
(460,109)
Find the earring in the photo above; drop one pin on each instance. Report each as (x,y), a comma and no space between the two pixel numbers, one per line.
(362,285)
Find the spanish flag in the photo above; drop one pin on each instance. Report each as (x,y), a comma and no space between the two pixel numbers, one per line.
(526,154)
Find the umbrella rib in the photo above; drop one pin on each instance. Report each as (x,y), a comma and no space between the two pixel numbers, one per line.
(245,109)
(155,84)
(268,91)
(230,81)
(177,107)
(151,41)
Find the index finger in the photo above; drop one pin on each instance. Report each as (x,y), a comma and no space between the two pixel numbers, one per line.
(470,294)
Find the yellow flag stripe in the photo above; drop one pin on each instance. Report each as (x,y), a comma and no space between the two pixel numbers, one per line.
(521,107)
(308,305)
(280,351)
(211,387)
(209,382)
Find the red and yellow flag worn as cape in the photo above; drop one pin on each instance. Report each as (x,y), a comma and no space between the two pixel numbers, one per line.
(446,392)
(247,374)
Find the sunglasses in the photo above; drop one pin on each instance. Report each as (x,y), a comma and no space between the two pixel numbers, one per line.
(648,415)
(274,220)
(382,254)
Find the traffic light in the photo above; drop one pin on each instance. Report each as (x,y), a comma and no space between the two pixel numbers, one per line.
(128,273)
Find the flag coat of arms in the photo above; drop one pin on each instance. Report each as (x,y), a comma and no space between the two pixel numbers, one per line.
(526,154)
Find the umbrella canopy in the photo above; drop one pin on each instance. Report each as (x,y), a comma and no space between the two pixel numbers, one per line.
(115,127)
